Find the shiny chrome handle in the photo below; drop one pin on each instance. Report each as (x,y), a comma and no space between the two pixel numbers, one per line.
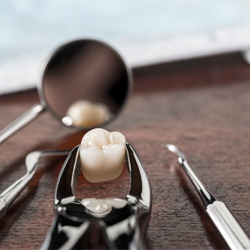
(222,218)
(3,208)
(20,122)
(227,225)
(10,194)
(206,197)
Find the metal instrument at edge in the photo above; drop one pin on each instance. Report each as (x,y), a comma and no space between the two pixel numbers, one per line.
(221,216)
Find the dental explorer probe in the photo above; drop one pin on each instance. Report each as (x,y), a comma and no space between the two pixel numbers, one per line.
(222,218)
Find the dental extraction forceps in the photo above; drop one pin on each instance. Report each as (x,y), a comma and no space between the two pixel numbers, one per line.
(77,225)
(222,218)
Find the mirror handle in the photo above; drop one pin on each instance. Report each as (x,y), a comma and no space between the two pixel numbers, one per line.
(21,121)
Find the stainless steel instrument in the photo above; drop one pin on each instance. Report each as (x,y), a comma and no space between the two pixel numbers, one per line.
(85,69)
(8,196)
(221,216)
(121,224)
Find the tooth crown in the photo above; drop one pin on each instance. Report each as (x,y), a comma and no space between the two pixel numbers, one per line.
(102,155)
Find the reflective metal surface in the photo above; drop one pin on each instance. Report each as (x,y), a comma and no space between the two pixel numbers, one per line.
(206,196)
(84,84)
(8,196)
(123,226)
(221,216)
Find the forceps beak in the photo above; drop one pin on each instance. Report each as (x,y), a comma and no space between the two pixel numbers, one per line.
(140,189)
(73,222)
(67,178)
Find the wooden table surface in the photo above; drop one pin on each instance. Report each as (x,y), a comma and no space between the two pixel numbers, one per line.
(202,106)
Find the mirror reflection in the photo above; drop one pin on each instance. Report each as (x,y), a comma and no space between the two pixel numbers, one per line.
(85,83)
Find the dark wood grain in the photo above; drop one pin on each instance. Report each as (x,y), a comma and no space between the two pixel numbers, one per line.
(203,106)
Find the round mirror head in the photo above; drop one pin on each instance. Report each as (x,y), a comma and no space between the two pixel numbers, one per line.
(85,84)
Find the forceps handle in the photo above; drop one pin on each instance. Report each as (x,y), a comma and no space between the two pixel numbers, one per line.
(20,122)
(227,225)
(67,233)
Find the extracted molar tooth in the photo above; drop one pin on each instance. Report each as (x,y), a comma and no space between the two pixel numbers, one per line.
(84,113)
(102,155)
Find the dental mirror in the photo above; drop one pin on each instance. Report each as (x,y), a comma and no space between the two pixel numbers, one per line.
(85,84)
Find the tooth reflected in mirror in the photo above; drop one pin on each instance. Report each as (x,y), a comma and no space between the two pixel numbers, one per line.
(102,155)
(85,113)
(85,84)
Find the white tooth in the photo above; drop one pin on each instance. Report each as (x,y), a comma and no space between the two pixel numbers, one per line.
(101,207)
(102,155)
(87,114)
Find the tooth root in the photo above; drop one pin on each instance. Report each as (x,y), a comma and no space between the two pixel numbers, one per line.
(102,155)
